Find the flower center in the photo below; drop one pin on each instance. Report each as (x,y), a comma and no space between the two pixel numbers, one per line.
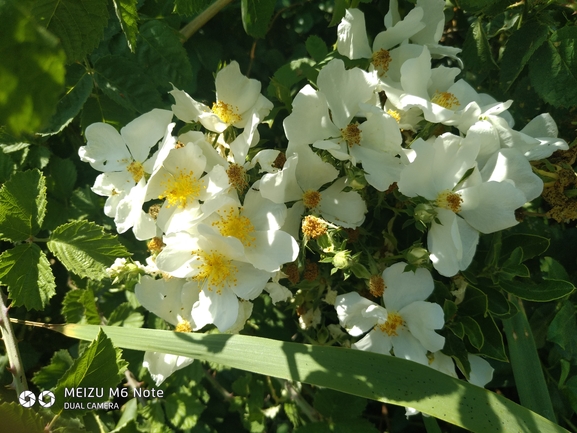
(445,99)
(449,200)
(394,320)
(181,188)
(381,60)
(311,199)
(352,134)
(233,224)
(394,114)
(183,326)
(226,112)
(376,286)
(216,270)
(313,227)
(236,177)
(136,169)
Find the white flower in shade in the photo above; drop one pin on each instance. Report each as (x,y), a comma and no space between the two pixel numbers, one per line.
(406,325)
(124,158)
(219,274)
(238,98)
(170,301)
(300,180)
(463,208)
(255,226)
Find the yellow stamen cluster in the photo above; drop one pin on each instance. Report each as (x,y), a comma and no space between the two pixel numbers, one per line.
(238,226)
(216,270)
(381,60)
(394,114)
(352,134)
(183,326)
(311,199)
(154,210)
(394,320)
(226,112)
(155,245)
(182,188)
(313,227)
(449,200)
(237,177)
(136,169)
(377,286)
(179,144)
(445,99)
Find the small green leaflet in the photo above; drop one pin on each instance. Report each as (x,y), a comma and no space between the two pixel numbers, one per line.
(48,376)
(79,306)
(256,16)
(100,366)
(547,290)
(18,419)
(26,272)
(85,249)
(128,16)
(22,205)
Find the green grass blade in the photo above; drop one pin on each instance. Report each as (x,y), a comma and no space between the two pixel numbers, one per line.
(365,374)
(529,377)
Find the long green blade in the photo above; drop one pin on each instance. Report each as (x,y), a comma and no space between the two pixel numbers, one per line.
(378,377)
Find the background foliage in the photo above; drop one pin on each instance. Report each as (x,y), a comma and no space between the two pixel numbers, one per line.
(65,64)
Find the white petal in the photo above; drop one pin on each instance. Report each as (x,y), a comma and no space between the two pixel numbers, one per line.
(145,131)
(277,292)
(408,347)
(105,149)
(346,209)
(219,308)
(352,312)
(375,341)
(352,39)
(236,89)
(185,108)
(404,288)
(162,365)
(422,318)
(272,249)
(481,371)
(163,298)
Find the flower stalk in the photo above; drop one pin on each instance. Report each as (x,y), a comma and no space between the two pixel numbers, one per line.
(16,368)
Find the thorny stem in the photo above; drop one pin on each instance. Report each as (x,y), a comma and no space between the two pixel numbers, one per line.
(196,24)
(16,368)
(134,384)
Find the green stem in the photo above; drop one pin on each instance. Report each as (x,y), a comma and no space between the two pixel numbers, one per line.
(431,424)
(196,24)
(16,367)
(527,370)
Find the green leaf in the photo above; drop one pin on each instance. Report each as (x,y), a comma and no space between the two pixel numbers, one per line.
(128,17)
(100,108)
(124,315)
(546,290)
(370,375)
(62,177)
(161,54)
(256,16)
(126,83)
(100,366)
(563,328)
(554,270)
(22,205)
(553,68)
(31,71)
(475,302)
(78,88)
(532,245)
(79,24)
(473,331)
(183,410)
(18,419)
(79,306)
(190,7)
(474,6)
(317,48)
(493,346)
(49,375)
(477,54)
(85,249)
(338,12)
(338,406)
(526,364)
(520,47)
(26,272)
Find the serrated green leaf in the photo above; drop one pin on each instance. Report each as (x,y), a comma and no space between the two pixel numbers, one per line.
(79,24)
(78,88)
(183,410)
(85,249)
(474,6)
(547,290)
(18,419)
(32,70)
(317,48)
(49,375)
(7,167)
(128,17)
(126,83)
(124,315)
(477,54)
(26,272)
(369,375)
(161,54)
(79,306)
(62,177)
(553,68)
(520,47)
(22,205)
(100,367)
(256,16)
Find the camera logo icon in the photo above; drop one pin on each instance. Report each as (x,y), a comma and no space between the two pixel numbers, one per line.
(45,398)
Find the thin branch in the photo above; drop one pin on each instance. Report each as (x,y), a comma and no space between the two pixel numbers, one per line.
(196,24)
(16,367)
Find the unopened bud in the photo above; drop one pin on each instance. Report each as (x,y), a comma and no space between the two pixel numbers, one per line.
(417,256)
(425,213)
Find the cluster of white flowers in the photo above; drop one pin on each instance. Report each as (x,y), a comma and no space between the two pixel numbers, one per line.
(219,242)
